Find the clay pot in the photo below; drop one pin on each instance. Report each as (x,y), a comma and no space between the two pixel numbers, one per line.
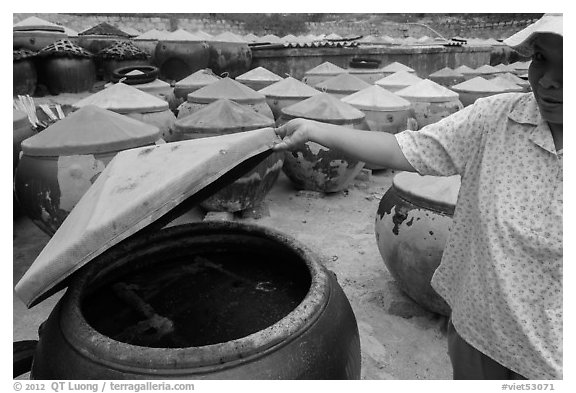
(24,77)
(68,74)
(59,164)
(227,117)
(321,73)
(430,101)
(285,93)
(233,58)
(312,166)
(177,59)
(240,302)
(412,225)
(36,39)
(225,88)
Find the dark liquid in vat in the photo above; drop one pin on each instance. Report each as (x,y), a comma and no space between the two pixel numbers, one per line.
(197,300)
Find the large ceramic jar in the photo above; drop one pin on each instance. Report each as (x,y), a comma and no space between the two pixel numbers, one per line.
(430,101)
(475,88)
(229,89)
(258,78)
(233,301)
(59,164)
(34,33)
(21,130)
(385,111)
(24,75)
(398,81)
(229,53)
(128,100)
(148,41)
(342,85)
(190,84)
(396,67)
(121,54)
(287,92)
(312,166)
(227,117)
(412,225)
(322,72)
(179,54)
(66,68)
(446,77)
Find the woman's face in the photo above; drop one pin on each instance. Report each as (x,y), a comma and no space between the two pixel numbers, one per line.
(545,76)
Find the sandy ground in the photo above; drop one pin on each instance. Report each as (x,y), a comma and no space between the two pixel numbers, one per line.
(399,339)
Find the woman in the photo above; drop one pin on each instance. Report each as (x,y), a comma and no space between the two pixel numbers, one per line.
(501,270)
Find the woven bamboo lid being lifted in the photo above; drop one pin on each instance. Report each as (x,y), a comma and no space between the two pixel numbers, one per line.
(342,85)
(324,107)
(398,81)
(90,130)
(226,88)
(122,98)
(35,23)
(222,117)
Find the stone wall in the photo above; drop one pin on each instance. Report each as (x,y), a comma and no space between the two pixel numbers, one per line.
(343,28)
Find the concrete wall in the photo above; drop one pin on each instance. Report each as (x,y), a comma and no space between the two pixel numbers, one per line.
(424,60)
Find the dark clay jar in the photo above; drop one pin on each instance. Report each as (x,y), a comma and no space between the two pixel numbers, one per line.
(209,300)
(24,77)
(68,74)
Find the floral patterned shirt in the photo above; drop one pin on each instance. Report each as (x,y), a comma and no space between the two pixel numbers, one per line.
(501,270)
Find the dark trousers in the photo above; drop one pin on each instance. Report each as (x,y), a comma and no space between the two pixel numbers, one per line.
(470,363)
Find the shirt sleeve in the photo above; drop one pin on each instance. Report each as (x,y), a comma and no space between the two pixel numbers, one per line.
(444,148)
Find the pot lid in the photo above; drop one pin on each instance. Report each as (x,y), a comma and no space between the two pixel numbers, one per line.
(226,88)
(446,72)
(274,39)
(289,88)
(155,84)
(436,189)
(376,98)
(399,78)
(151,35)
(250,37)
(478,84)
(259,74)
(228,37)
(90,130)
(200,78)
(464,69)
(20,118)
(342,83)
(122,98)
(35,23)
(395,67)
(504,67)
(223,115)
(203,34)
(104,29)
(324,107)
(522,65)
(130,31)
(181,35)
(123,50)
(121,202)
(487,69)
(64,48)
(22,54)
(507,84)
(325,68)
(428,91)
(515,79)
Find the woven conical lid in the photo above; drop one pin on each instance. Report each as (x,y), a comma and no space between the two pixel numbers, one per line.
(376,98)
(395,67)
(478,85)
(507,84)
(226,88)
(273,39)
(487,69)
(400,78)
(289,88)
(35,23)
(464,69)
(104,29)
(152,35)
(181,35)
(504,67)
(223,115)
(203,34)
(446,72)
(326,68)
(228,37)
(427,91)
(200,78)
(90,130)
(259,74)
(324,107)
(342,83)
(515,79)
(122,98)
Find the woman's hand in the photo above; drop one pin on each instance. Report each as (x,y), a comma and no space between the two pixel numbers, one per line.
(294,134)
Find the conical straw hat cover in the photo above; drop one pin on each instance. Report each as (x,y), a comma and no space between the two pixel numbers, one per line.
(427,91)
(395,67)
(123,98)
(289,88)
(400,78)
(199,78)
(446,72)
(35,23)
(376,98)
(343,82)
(259,74)
(325,68)
(324,107)
(226,88)
(478,85)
